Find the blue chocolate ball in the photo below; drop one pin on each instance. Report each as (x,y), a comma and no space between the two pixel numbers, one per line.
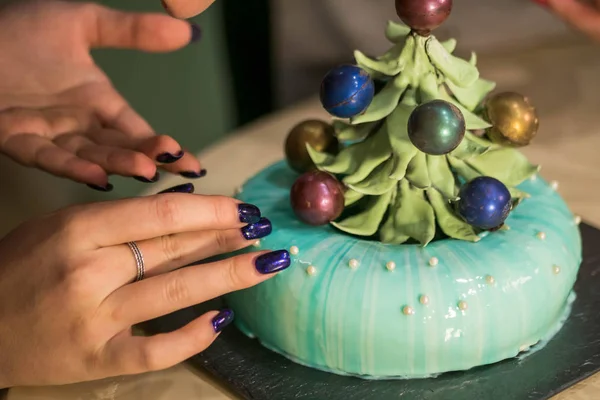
(484,203)
(347,91)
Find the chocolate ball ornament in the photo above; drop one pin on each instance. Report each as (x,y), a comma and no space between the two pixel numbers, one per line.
(423,16)
(484,203)
(515,121)
(317,198)
(436,127)
(347,91)
(321,137)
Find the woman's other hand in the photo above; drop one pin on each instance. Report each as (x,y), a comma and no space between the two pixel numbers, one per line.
(186,8)
(67,296)
(584,15)
(58,110)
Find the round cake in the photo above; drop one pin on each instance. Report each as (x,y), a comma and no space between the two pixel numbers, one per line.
(361,307)
(422,241)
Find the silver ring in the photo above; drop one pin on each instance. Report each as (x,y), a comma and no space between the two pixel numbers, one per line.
(139,261)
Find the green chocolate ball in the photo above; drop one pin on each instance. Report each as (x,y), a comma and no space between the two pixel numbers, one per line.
(436,127)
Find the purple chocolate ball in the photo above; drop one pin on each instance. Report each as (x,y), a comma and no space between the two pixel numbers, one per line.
(317,198)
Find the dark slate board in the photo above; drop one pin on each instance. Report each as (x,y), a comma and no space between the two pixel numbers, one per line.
(254,372)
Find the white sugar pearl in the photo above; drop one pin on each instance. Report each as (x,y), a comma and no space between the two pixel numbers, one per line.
(433,261)
(490,280)
(390,266)
(554,185)
(294,250)
(353,264)
(462,305)
(424,300)
(556,269)
(541,235)
(311,270)
(408,310)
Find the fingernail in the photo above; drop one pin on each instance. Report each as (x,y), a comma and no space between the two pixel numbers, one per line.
(168,158)
(222,319)
(248,213)
(257,230)
(196,32)
(272,262)
(185,188)
(193,174)
(107,188)
(155,178)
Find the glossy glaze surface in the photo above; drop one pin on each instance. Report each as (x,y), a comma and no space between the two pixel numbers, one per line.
(352,306)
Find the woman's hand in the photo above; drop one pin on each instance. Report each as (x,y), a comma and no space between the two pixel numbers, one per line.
(186,8)
(58,110)
(67,301)
(584,15)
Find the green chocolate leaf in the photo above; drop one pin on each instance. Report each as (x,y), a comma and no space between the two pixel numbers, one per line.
(397,129)
(346,132)
(387,231)
(472,96)
(371,159)
(462,169)
(367,222)
(472,121)
(417,172)
(415,217)
(450,223)
(469,147)
(441,176)
(506,164)
(387,67)
(395,32)
(459,71)
(359,158)
(378,182)
(449,45)
(428,88)
(473,60)
(351,197)
(383,104)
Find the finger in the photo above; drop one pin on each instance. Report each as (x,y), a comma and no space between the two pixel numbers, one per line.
(32,150)
(167,253)
(113,160)
(137,219)
(186,8)
(132,355)
(111,28)
(167,293)
(580,15)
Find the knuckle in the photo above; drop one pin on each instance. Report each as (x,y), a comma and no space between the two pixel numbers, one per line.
(171,248)
(149,359)
(175,290)
(221,209)
(233,276)
(166,209)
(223,241)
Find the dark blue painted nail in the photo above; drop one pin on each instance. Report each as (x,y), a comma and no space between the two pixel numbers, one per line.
(107,188)
(193,174)
(155,178)
(257,230)
(222,319)
(248,213)
(185,188)
(272,262)
(196,32)
(168,158)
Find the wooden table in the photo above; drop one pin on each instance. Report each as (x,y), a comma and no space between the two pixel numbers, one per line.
(563,80)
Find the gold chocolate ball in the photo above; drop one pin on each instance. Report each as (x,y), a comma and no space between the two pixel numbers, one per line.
(320,135)
(514,119)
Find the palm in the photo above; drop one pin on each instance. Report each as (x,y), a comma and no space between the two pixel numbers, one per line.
(59,111)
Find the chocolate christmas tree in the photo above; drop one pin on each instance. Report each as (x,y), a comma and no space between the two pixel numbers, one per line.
(430,131)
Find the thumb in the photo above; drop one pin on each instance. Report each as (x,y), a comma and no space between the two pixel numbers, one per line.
(152,32)
(581,15)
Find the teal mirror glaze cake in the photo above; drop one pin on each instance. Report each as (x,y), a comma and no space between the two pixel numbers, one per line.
(421,240)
